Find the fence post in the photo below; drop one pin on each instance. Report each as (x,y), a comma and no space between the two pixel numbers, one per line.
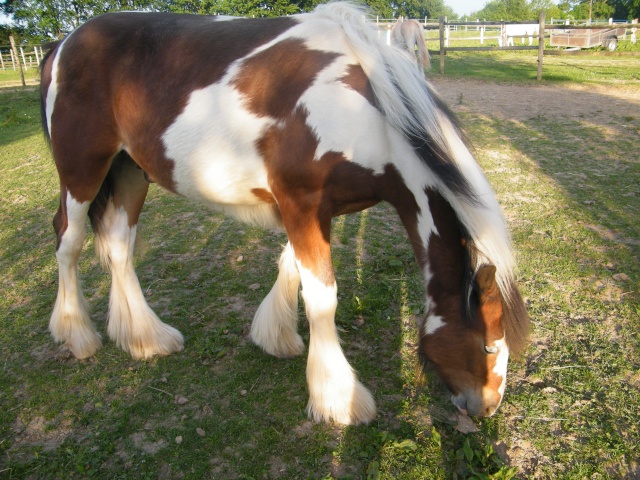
(447,32)
(540,44)
(16,58)
(441,45)
(24,61)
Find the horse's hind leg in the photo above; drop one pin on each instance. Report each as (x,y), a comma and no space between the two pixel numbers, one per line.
(132,324)
(275,324)
(70,322)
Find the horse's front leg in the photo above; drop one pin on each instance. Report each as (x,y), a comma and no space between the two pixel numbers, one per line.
(275,324)
(334,391)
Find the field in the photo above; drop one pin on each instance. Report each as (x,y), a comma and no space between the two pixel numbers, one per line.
(562,157)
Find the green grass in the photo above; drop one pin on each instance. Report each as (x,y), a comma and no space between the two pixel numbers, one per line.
(522,66)
(11,78)
(224,409)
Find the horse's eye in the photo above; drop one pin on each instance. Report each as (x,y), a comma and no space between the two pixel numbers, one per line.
(489,349)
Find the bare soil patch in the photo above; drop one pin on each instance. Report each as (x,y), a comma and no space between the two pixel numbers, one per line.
(524,101)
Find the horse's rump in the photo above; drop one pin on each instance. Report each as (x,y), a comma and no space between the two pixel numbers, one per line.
(409,35)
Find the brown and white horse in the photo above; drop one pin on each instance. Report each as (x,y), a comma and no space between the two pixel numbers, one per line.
(281,122)
(409,36)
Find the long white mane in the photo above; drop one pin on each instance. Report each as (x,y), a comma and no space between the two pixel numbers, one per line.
(411,105)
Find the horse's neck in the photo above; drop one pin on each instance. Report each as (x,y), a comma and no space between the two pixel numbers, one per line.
(433,229)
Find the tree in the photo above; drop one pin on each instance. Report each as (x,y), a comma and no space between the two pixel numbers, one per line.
(600,9)
(548,6)
(50,19)
(507,10)
(625,9)
(424,8)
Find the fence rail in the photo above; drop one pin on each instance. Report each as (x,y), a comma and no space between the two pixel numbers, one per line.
(20,58)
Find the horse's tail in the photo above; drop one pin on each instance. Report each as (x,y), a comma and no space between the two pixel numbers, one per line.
(411,106)
(423,53)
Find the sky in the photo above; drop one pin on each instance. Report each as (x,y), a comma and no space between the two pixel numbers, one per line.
(465,7)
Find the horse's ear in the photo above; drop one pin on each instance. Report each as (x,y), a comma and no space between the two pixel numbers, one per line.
(486,280)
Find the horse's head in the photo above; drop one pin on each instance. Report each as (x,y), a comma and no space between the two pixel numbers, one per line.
(470,355)
(470,325)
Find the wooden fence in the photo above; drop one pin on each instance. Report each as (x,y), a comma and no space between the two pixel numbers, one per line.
(28,56)
(506,32)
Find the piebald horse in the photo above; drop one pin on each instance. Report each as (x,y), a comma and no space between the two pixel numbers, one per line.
(409,35)
(283,122)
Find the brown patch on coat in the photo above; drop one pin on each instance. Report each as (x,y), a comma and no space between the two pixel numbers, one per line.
(274,80)
(357,80)
(297,181)
(125,77)
(490,308)
(310,191)
(263,195)
(125,186)
(61,220)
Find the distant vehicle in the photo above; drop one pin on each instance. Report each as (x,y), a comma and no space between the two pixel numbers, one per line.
(588,37)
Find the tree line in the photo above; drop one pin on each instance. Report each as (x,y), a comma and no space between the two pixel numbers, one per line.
(518,10)
(44,20)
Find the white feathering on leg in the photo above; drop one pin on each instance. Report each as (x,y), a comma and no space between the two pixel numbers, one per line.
(132,324)
(70,322)
(275,324)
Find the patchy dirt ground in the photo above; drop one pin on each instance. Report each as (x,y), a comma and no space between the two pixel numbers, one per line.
(524,101)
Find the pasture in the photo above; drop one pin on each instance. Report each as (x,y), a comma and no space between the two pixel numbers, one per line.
(563,160)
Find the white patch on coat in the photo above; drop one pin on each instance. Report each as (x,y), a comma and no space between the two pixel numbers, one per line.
(433,323)
(52,90)
(502,362)
(213,146)
(355,129)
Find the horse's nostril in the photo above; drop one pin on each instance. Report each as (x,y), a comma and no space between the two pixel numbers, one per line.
(460,402)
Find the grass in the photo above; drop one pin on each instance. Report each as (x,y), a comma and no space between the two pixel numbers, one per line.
(223,409)
(11,78)
(518,66)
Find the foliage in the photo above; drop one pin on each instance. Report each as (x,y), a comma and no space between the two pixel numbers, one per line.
(626,9)
(598,9)
(518,10)
(481,463)
(549,7)
(52,19)
(432,9)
